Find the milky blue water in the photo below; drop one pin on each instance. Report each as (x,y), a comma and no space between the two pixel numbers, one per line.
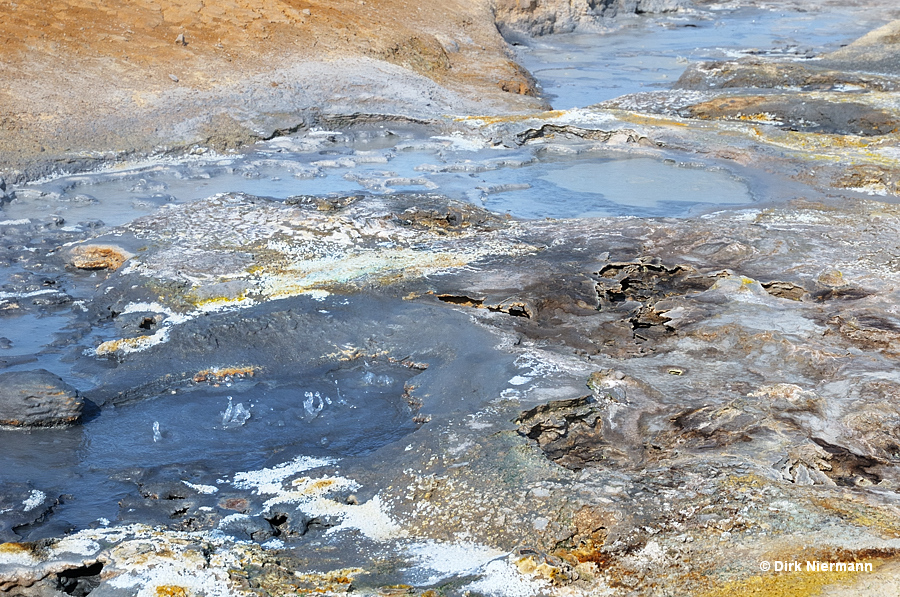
(525,182)
(651,53)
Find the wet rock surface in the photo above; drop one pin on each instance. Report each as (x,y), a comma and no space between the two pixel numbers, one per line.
(37,399)
(519,19)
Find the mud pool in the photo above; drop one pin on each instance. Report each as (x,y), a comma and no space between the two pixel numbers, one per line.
(202,432)
(626,347)
(525,183)
(585,68)
(203,425)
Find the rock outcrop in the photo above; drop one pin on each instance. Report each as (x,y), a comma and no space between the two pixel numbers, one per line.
(38,399)
(543,17)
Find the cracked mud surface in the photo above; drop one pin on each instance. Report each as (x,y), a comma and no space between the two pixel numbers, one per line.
(401,393)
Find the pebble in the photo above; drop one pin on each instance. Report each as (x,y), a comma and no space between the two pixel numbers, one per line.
(174,78)
(93,257)
(832,279)
(180,40)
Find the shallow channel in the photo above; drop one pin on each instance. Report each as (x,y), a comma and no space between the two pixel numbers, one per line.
(648,53)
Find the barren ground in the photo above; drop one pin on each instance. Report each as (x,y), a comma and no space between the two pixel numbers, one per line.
(82,78)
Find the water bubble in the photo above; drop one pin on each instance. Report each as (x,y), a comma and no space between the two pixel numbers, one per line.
(309,403)
(235,415)
(370,379)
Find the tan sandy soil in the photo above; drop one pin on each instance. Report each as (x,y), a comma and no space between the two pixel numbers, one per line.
(94,76)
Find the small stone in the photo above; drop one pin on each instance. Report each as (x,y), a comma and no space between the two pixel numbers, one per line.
(289,523)
(801,475)
(180,40)
(173,77)
(239,504)
(832,279)
(307,11)
(98,257)
(820,478)
(33,194)
(92,224)
(37,399)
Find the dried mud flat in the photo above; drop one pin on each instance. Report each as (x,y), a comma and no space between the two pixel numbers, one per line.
(596,406)
(85,82)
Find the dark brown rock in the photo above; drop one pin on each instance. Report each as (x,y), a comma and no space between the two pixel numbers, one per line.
(37,399)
